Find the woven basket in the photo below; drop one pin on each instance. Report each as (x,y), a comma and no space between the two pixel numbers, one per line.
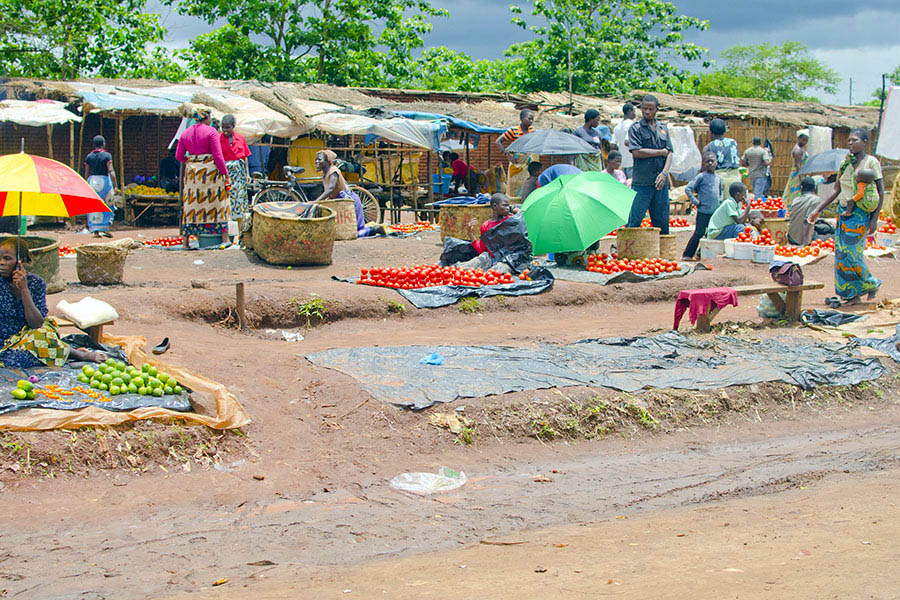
(100,264)
(344,218)
(293,241)
(638,242)
(667,247)
(779,230)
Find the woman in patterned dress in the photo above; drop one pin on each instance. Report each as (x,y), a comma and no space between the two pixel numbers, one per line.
(235,151)
(204,193)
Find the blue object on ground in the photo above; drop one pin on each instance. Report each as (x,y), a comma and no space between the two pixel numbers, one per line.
(432,359)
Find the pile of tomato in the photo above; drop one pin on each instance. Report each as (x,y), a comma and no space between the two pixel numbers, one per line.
(168,242)
(823,244)
(412,227)
(768,204)
(66,250)
(799,252)
(673,222)
(421,276)
(746,235)
(606,264)
(888,226)
(764,238)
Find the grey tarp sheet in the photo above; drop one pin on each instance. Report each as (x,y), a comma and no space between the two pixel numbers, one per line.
(445,295)
(669,360)
(886,345)
(583,275)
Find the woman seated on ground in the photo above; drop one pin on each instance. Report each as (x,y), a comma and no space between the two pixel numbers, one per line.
(335,187)
(485,258)
(27,337)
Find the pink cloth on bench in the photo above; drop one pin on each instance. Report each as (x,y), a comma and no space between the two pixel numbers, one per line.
(701,300)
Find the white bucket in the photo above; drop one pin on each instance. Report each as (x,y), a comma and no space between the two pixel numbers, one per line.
(729,248)
(886,239)
(763,254)
(743,251)
(711,248)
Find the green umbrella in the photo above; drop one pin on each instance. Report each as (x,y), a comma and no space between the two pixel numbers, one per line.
(573,211)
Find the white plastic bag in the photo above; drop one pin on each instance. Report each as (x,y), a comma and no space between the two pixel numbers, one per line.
(87,312)
(686,155)
(444,480)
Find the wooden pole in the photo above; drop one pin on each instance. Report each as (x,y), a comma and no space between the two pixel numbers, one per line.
(84,117)
(72,145)
(239,306)
(487,140)
(121,152)
(429,179)
(50,140)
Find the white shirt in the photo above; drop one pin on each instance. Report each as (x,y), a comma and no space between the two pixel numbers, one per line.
(620,136)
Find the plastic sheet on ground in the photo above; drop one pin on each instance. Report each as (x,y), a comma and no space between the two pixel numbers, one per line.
(211,403)
(583,275)
(445,295)
(887,345)
(832,318)
(444,480)
(669,360)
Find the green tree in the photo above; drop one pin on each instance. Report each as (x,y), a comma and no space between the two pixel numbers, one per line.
(780,73)
(342,42)
(440,68)
(65,39)
(603,46)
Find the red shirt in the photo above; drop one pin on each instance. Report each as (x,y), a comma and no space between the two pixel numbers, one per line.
(460,168)
(234,148)
(478,245)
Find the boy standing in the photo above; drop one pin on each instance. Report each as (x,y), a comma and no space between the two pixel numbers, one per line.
(705,192)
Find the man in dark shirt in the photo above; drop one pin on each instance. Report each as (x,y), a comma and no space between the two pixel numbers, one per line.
(651,147)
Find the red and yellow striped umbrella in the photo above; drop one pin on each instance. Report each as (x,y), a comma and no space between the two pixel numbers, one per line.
(38,186)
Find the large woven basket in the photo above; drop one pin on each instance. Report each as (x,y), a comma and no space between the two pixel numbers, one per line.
(282,237)
(101,264)
(638,242)
(344,218)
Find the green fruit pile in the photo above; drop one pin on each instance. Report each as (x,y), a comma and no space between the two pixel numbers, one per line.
(24,390)
(117,378)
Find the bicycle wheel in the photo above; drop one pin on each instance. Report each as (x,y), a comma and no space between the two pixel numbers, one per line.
(276,194)
(369,203)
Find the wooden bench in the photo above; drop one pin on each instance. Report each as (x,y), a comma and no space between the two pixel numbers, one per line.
(95,332)
(790,306)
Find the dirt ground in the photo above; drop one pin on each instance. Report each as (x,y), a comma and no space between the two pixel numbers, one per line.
(297,504)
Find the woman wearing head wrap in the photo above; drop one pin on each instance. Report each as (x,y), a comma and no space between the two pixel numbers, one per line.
(799,156)
(726,151)
(336,187)
(207,206)
(235,151)
(852,277)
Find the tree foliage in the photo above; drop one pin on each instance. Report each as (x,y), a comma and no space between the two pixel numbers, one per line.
(440,68)
(66,39)
(342,42)
(780,73)
(892,79)
(605,46)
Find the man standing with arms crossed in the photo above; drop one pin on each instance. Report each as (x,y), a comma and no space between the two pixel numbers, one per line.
(651,147)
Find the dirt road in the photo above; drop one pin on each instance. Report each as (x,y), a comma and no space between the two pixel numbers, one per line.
(137,538)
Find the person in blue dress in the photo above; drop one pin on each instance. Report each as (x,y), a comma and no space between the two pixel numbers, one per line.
(28,338)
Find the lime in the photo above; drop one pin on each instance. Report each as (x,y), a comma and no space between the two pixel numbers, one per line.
(19,394)
(145,367)
(142,391)
(177,390)
(95,383)
(138,381)
(87,370)
(152,371)
(115,390)
(126,377)
(164,377)
(117,381)
(83,378)
(24,384)
(30,394)
(107,378)
(168,390)
(120,365)
(132,389)
(110,362)
(158,392)
(103,387)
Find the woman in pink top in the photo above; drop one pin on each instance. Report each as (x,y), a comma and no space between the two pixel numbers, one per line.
(206,182)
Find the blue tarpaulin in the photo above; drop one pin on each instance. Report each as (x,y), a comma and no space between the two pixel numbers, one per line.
(424,116)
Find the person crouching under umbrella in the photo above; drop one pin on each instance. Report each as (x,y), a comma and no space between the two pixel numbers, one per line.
(28,338)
